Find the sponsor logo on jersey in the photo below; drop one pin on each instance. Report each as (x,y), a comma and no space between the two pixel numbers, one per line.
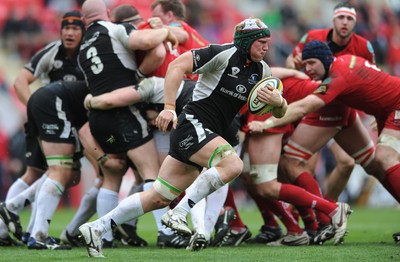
(111,139)
(196,58)
(69,78)
(186,143)
(235,71)
(330,118)
(303,39)
(321,89)
(241,89)
(397,114)
(253,79)
(90,41)
(58,64)
(50,128)
(231,93)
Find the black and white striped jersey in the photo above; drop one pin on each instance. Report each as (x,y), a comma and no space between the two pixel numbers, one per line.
(105,58)
(224,84)
(52,64)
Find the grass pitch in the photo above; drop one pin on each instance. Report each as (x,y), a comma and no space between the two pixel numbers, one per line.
(369,239)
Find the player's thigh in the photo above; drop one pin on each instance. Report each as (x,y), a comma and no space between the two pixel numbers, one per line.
(264,148)
(145,158)
(353,138)
(177,173)
(312,138)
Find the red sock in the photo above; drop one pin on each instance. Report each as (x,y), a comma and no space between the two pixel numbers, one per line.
(308,182)
(282,211)
(266,213)
(392,181)
(300,197)
(230,201)
(309,219)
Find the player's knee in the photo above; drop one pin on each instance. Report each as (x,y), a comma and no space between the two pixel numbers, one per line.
(227,156)
(221,153)
(288,168)
(346,164)
(31,175)
(384,158)
(236,166)
(113,165)
(389,141)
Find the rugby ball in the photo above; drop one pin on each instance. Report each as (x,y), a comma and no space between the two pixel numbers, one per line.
(257,107)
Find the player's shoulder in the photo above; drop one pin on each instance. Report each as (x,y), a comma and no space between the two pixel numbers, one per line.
(46,53)
(215,49)
(55,45)
(343,63)
(182,24)
(318,34)
(117,27)
(359,38)
(319,31)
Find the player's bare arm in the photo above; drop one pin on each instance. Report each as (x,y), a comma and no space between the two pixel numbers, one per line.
(295,111)
(179,32)
(176,70)
(21,85)
(149,38)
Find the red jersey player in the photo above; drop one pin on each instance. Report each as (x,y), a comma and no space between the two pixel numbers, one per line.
(357,83)
(171,13)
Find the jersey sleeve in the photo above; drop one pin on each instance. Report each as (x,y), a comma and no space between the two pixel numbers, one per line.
(332,86)
(40,62)
(121,33)
(208,59)
(266,70)
(370,53)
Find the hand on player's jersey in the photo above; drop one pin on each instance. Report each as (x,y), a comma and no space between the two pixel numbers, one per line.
(166,120)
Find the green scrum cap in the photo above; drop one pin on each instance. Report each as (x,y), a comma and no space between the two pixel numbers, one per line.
(252,29)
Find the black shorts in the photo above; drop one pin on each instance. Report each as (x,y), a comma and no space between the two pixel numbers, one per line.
(34,155)
(51,117)
(119,130)
(188,138)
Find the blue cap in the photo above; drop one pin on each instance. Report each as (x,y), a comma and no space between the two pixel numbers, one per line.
(319,50)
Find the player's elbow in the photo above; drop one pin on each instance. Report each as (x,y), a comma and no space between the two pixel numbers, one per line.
(158,55)
(18,85)
(302,112)
(182,38)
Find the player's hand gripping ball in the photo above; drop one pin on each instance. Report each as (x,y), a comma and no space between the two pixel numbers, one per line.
(257,107)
